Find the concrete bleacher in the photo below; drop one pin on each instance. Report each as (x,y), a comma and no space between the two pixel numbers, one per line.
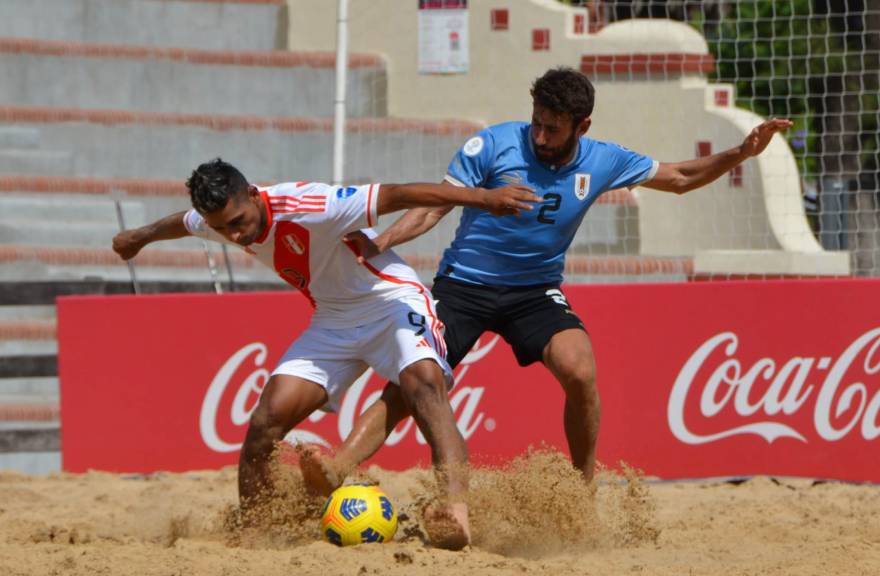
(156,79)
(260,25)
(122,56)
(167,145)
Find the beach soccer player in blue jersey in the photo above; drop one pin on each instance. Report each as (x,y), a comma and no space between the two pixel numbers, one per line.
(504,274)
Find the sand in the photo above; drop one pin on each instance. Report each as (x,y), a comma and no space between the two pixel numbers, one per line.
(536,517)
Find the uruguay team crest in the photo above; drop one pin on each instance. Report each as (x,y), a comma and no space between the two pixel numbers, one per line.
(581,185)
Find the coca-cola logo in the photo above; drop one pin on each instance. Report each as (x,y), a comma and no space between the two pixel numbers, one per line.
(250,360)
(846,399)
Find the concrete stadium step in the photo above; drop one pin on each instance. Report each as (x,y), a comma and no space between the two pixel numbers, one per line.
(29,390)
(90,199)
(96,76)
(35,263)
(36,161)
(24,332)
(28,348)
(30,446)
(18,313)
(28,365)
(15,419)
(622,268)
(20,138)
(43,293)
(49,233)
(23,407)
(180,264)
(28,330)
(33,462)
(19,206)
(165,145)
(216,24)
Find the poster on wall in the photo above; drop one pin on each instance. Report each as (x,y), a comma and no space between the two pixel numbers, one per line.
(443,37)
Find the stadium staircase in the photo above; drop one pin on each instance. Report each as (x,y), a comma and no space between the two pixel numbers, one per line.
(110,106)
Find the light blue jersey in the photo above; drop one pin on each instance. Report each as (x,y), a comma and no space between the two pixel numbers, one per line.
(529,249)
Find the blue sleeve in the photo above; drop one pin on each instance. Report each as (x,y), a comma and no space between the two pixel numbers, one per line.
(628,168)
(472,165)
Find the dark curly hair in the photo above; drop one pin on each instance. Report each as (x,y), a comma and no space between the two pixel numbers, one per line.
(213,183)
(565,90)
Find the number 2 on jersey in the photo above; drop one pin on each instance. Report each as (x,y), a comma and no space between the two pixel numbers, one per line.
(552,201)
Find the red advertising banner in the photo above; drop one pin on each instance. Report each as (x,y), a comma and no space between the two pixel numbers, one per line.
(696,380)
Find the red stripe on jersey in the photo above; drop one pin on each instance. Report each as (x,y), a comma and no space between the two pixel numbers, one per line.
(369,205)
(295,198)
(303,198)
(298,208)
(315,196)
(294,201)
(293,205)
(436,324)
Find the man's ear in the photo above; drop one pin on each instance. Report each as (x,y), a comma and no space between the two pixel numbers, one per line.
(253,193)
(584,126)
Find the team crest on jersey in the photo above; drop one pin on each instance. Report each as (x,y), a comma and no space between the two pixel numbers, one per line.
(581,185)
(294,244)
(296,277)
(473,146)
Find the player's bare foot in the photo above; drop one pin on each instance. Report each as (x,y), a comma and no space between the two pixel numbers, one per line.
(318,473)
(448,526)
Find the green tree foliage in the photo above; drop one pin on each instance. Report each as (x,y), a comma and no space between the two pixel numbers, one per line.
(785,60)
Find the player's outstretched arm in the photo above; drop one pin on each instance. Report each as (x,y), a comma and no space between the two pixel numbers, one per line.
(129,242)
(414,223)
(499,201)
(681,177)
(433,202)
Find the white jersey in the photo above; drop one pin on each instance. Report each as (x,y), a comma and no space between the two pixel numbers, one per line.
(303,244)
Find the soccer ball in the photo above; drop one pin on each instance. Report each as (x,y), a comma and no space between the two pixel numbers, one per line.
(357,514)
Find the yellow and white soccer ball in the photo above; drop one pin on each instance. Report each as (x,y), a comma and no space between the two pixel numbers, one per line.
(357,514)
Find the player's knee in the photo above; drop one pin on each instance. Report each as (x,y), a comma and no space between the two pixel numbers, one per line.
(266,425)
(579,381)
(578,374)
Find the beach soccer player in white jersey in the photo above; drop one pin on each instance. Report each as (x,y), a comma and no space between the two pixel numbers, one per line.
(378,315)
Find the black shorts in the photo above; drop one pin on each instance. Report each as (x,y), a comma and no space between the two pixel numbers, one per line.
(525,316)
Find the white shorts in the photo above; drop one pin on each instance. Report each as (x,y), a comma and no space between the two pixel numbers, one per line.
(335,357)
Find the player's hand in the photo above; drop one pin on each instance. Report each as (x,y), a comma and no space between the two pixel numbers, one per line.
(127,244)
(363,246)
(760,136)
(510,200)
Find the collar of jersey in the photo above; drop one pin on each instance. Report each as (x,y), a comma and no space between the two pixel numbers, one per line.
(268,206)
(573,160)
